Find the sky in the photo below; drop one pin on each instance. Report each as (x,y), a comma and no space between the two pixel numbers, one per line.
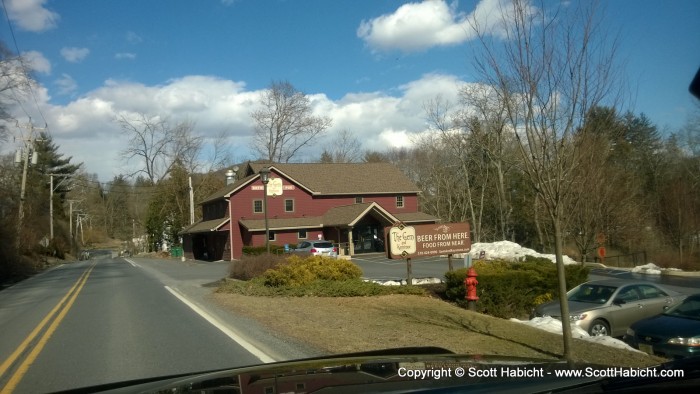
(369,65)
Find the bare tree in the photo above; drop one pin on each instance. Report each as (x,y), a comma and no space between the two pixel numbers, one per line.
(15,81)
(344,148)
(467,172)
(158,145)
(551,68)
(284,124)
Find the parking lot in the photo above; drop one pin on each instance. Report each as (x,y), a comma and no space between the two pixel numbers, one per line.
(377,266)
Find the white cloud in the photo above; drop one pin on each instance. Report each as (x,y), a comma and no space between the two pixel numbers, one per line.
(66,84)
(37,62)
(133,38)
(86,124)
(73,54)
(419,26)
(125,55)
(31,15)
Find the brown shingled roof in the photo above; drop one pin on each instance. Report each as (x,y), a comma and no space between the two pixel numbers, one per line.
(414,217)
(224,191)
(344,178)
(348,214)
(280,224)
(205,226)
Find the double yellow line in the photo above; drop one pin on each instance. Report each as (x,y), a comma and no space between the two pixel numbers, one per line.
(54,317)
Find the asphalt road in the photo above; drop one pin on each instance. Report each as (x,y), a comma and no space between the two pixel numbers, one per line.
(106,320)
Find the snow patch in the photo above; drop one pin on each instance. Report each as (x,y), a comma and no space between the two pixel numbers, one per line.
(402,282)
(507,250)
(554,326)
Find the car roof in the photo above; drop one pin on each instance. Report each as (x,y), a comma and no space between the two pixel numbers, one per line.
(618,282)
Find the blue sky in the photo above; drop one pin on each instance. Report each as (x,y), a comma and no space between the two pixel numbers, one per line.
(207,61)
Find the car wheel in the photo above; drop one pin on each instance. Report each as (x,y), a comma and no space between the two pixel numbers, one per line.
(599,328)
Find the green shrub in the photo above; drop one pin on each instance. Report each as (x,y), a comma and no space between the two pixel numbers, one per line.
(507,289)
(260,250)
(299,271)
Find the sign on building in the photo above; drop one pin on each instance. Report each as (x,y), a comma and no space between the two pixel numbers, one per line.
(274,187)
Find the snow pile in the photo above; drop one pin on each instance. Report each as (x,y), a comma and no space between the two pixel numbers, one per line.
(650,268)
(510,251)
(553,325)
(402,282)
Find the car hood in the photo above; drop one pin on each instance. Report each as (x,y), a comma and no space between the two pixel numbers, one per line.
(667,326)
(377,371)
(552,308)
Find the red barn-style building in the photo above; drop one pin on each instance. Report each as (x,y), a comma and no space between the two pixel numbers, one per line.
(347,203)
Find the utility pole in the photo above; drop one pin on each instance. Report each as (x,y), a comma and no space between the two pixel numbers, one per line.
(51,190)
(28,147)
(70,216)
(191,202)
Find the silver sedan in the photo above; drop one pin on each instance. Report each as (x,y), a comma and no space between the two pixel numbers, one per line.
(317,248)
(609,307)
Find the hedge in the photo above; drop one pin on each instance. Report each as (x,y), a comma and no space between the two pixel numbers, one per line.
(511,289)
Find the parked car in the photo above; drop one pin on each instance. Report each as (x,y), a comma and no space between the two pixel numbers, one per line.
(673,334)
(317,248)
(610,306)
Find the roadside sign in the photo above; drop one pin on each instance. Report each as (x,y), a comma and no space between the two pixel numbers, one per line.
(601,252)
(424,240)
(402,241)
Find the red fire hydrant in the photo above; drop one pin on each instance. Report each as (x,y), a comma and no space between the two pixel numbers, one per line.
(470,284)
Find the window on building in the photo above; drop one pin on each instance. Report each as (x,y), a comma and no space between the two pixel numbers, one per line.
(399,201)
(301,234)
(289,205)
(359,200)
(272,236)
(257,206)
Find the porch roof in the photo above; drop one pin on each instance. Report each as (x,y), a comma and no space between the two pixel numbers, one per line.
(206,226)
(282,224)
(416,217)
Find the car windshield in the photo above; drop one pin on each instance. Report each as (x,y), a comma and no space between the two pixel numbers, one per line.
(688,309)
(595,294)
(201,185)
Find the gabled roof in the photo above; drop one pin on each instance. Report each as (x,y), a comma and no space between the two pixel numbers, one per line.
(349,215)
(343,178)
(206,226)
(228,189)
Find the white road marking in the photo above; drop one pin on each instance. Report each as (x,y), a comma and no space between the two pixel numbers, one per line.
(132,263)
(216,323)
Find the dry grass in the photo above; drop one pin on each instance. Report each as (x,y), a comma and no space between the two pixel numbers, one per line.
(342,325)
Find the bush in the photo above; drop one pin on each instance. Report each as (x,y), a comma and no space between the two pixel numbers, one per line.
(251,266)
(508,289)
(299,271)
